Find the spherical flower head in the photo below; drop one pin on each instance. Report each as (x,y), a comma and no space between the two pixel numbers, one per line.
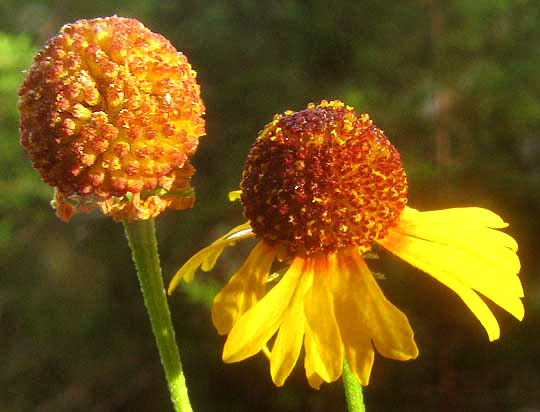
(323,179)
(110,114)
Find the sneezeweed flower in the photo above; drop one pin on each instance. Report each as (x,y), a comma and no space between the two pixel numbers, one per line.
(110,114)
(320,187)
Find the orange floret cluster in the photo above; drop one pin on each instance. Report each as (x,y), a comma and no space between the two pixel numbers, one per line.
(323,179)
(110,115)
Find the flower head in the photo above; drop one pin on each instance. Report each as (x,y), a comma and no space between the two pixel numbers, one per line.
(323,179)
(320,188)
(110,116)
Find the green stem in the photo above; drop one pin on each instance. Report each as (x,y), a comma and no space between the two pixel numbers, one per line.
(142,241)
(353,390)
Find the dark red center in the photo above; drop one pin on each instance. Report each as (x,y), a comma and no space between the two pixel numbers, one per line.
(323,179)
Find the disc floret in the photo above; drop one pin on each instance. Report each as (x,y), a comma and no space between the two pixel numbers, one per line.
(111,114)
(323,179)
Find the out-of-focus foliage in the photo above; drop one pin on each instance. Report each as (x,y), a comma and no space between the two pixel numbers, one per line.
(18,184)
(455,86)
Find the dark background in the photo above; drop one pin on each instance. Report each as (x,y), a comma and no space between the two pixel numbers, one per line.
(454,84)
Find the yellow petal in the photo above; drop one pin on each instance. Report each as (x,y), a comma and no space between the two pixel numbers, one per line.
(360,357)
(206,258)
(324,348)
(439,260)
(467,229)
(235,195)
(290,336)
(348,307)
(314,380)
(462,216)
(255,327)
(363,310)
(469,297)
(244,289)
(463,255)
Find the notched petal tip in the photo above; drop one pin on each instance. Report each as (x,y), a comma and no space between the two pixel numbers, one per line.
(360,360)
(315,381)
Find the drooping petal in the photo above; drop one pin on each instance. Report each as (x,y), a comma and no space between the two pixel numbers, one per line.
(352,324)
(290,336)
(391,332)
(401,246)
(459,248)
(255,327)
(469,229)
(364,314)
(244,289)
(206,258)
(324,347)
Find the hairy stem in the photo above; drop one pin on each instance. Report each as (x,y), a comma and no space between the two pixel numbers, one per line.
(142,241)
(353,390)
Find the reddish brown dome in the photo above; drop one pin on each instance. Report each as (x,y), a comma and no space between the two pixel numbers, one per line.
(323,179)
(111,110)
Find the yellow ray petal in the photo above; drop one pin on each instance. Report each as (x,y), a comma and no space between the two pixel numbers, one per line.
(314,380)
(255,327)
(235,195)
(463,255)
(355,287)
(290,336)
(494,282)
(463,229)
(349,309)
(206,258)
(324,347)
(463,216)
(360,357)
(464,291)
(244,289)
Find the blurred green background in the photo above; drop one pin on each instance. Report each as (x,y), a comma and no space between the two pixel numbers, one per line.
(454,84)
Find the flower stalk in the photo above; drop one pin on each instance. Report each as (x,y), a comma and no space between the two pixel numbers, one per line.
(142,241)
(353,390)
